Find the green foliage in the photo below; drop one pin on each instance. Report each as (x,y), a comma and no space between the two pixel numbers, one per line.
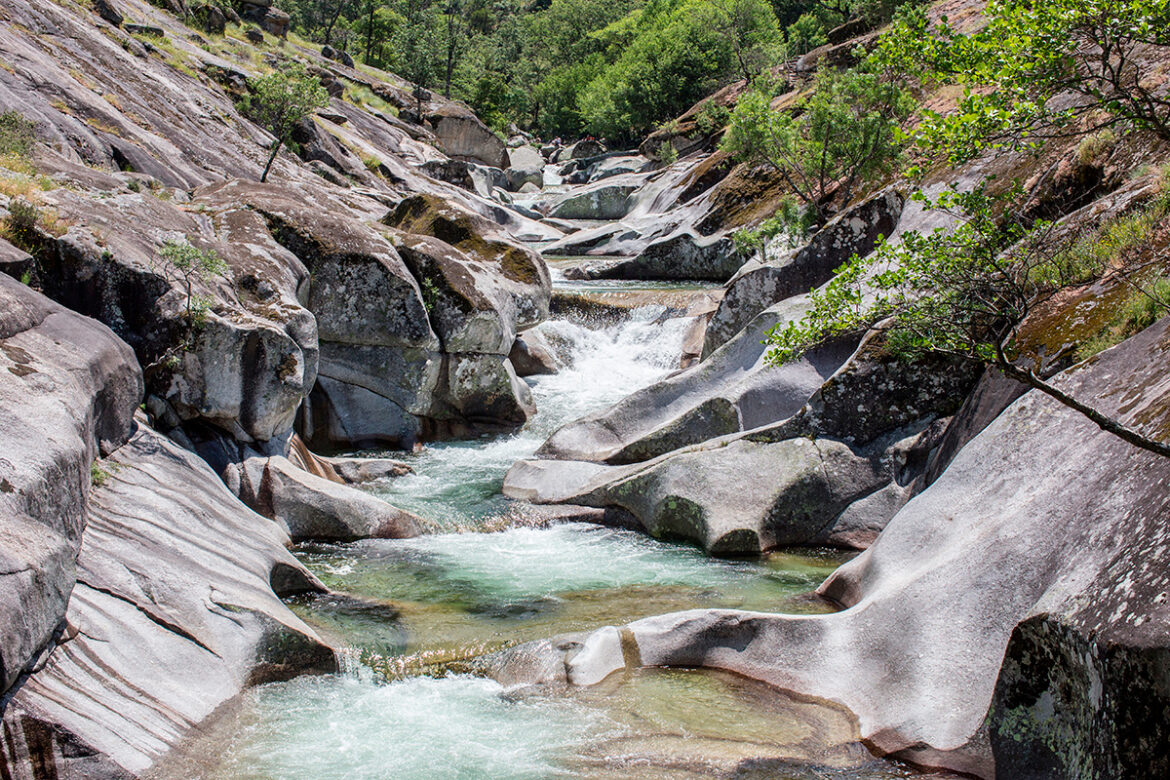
(280,100)
(712,118)
(964,292)
(1093,148)
(1027,55)
(186,264)
(21,224)
(682,50)
(667,153)
(792,222)
(17,135)
(97,474)
(842,135)
(1144,306)
(948,291)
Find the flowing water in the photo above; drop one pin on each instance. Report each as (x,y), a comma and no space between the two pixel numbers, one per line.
(414,609)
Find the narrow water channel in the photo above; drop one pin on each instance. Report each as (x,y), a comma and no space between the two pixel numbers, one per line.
(420,606)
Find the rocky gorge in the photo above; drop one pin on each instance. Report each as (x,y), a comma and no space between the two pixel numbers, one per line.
(474,452)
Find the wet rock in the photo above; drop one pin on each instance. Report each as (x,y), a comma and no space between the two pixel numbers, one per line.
(313,508)
(532,355)
(348,471)
(758,285)
(175,611)
(733,390)
(68,390)
(1066,576)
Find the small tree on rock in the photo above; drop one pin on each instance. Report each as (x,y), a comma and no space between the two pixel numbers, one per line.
(962,293)
(185,265)
(280,100)
(845,132)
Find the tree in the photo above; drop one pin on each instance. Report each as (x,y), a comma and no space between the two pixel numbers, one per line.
(417,45)
(750,28)
(844,133)
(280,100)
(1094,55)
(961,293)
(185,264)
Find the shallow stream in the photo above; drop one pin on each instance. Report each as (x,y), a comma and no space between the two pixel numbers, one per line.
(417,608)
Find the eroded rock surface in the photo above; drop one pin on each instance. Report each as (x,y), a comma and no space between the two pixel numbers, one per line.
(175,611)
(1084,544)
(68,390)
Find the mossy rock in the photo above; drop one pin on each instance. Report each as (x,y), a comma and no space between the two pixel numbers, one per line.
(430,215)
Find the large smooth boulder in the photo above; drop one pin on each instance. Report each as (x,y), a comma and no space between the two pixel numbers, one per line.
(758,285)
(68,391)
(525,165)
(312,507)
(175,612)
(1042,549)
(606,200)
(461,135)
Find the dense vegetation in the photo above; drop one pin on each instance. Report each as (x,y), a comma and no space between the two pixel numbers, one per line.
(1035,72)
(612,68)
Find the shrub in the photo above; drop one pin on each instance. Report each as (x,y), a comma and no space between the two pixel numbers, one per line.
(17,134)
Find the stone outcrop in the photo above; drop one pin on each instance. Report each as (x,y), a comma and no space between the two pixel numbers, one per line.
(759,284)
(461,135)
(246,366)
(68,390)
(175,611)
(1064,576)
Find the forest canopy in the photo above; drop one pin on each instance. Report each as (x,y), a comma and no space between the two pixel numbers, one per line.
(610,68)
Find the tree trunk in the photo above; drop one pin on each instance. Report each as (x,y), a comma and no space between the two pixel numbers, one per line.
(1120,430)
(333,21)
(370,33)
(271,159)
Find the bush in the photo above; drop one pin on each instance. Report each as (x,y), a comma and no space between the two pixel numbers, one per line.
(844,134)
(17,134)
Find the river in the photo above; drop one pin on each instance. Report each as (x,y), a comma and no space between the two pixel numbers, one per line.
(401,710)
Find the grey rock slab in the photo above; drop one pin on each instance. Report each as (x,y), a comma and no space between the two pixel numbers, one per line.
(68,390)
(174,614)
